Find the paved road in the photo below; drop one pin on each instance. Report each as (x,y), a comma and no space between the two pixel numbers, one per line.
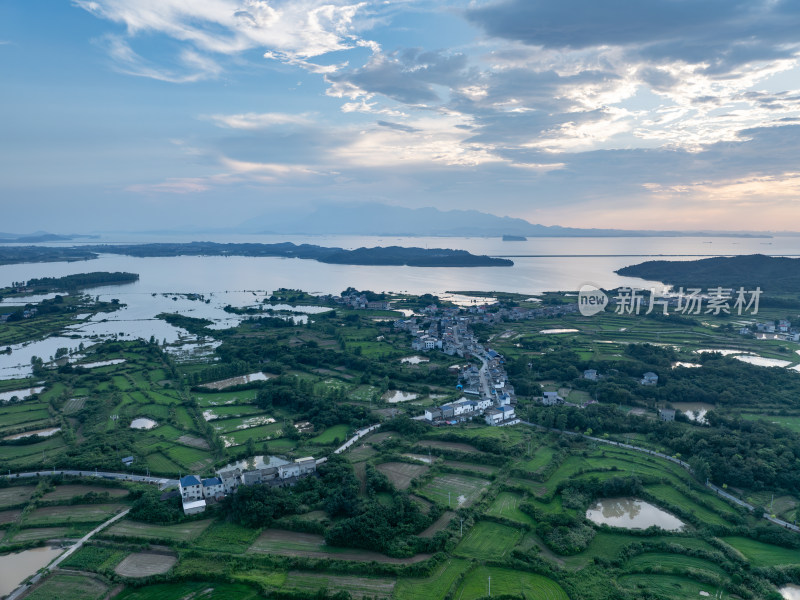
(160,481)
(677,461)
(74,548)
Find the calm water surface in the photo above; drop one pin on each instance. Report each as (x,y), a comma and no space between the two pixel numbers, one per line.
(632,513)
(15,568)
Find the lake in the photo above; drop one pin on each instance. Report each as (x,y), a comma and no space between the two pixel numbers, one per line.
(17,567)
(790,592)
(201,287)
(696,411)
(632,513)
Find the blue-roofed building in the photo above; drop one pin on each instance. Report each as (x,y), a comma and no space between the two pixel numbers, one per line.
(212,487)
(190,488)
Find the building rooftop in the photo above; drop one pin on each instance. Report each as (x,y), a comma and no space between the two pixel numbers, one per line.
(212,481)
(188,480)
(194,504)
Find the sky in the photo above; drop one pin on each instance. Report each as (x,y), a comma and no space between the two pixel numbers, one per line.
(175,114)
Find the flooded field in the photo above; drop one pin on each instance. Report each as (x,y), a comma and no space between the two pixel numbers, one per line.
(696,411)
(20,394)
(395,396)
(38,432)
(143,423)
(763,362)
(232,381)
(15,568)
(547,331)
(632,513)
(790,592)
(414,360)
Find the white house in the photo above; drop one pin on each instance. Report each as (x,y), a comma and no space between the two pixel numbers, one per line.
(307,465)
(213,488)
(289,470)
(493,416)
(193,507)
(551,398)
(191,488)
(590,374)
(649,378)
(230,479)
(433,414)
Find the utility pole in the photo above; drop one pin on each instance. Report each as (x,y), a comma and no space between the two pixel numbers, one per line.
(462,527)
(448,499)
(490,586)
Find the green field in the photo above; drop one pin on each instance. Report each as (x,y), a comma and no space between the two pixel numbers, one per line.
(62,586)
(507,581)
(764,555)
(180,532)
(331,434)
(506,505)
(12,496)
(194,590)
(671,586)
(226,537)
(454,490)
(433,587)
(678,563)
(488,541)
(79,513)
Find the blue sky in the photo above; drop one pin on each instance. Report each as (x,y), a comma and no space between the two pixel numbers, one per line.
(151,114)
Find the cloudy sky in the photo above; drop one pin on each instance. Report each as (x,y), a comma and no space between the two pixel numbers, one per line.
(130,114)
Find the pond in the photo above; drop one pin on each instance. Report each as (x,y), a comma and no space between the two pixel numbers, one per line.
(16,568)
(20,394)
(230,382)
(414,360)
(696,411)
(39,432)
(143,423)
(790,592)
(631,513)
(101,363)
(393,397)
(688,365)
(547,331)
(763,362)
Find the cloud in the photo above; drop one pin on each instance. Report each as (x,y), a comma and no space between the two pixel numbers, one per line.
(171,186)
(258,121)
(191,66)
(288,30)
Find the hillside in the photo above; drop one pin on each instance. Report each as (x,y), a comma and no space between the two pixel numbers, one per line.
(770,273)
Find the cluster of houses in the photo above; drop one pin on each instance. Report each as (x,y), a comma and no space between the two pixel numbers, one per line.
(197,493)
(358,301)
(26,314)
(494,413)
(780,330)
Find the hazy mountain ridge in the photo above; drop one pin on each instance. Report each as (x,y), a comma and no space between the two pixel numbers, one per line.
(381,219)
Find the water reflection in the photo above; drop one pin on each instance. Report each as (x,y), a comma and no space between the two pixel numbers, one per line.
(632,513)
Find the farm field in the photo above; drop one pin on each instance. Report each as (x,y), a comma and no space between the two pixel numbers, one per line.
(66,492)
(290,543)
(671,586)
(192,589)
(506,505)
(508,581)
(401,474)
(145,564)
(379,588)
(488,541)
(454,490)
(13,496)
(435,586)
(763,555)
(78,513)
(64,586)
(179,532)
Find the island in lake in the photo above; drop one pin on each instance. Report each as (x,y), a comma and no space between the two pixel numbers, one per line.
(778,274)
(514,238)
(378,256)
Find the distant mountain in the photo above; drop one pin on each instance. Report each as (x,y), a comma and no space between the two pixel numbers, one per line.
(36,237)
(382,219)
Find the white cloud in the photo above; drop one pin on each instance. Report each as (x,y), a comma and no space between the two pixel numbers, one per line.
(256,121)
(288,30)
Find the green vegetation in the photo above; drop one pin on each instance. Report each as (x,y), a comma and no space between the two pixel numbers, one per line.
(488,541)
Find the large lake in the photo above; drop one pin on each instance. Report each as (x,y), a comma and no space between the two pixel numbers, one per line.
(541,264)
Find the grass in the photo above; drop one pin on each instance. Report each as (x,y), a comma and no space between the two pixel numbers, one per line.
(541,458)
(79,513)
(65,492)
(508,581)
(433,587)
(12,496)
(331,434)
(357,587)
(763,555)
(227,537)
(670,586)
(199,590)
(95,558)
(488,541)
(62,586)
(677,563)
(506,505)
(454,490)
(181,532)
(401,474)
(670,495)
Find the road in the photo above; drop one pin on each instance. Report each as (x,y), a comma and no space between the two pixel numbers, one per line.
(484,375)
(160,481)
(72,549)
